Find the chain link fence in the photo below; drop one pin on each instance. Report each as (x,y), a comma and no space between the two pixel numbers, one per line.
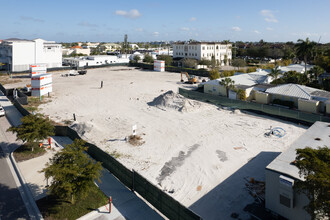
(293,115)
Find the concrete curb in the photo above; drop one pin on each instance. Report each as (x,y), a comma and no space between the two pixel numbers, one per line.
(25,191)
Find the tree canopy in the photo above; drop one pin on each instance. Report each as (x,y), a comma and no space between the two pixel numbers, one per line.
(314,167)
(72,172)
(238,63)
(275,72)
(214,74)
(304,50)
(34,128)
(148,59)
(136,58)
(168,59)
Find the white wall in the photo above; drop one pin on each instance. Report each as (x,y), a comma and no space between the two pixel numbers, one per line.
(38,51)
(203,51)
(272,196)
(23,54)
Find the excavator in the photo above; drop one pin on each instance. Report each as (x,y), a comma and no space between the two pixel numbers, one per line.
(191,79)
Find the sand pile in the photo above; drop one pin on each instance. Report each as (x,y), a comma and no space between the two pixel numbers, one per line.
(172,100)
(82,128)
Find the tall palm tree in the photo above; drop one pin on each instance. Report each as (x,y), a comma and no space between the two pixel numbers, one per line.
(228,83)
(304,49)
(275,73)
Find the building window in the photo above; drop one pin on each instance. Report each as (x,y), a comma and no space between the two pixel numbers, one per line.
(203,48)
(285,201)
(217,47)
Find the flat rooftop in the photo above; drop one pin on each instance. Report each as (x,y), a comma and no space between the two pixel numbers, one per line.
(318,135)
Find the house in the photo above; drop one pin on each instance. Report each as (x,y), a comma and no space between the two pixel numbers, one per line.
(203,50)
(94,60)
(299,68)
(305,98)
(282,174)
(111,46)
(19,54)
(247,82)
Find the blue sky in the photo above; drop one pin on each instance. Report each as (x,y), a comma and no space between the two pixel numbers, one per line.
(143,20)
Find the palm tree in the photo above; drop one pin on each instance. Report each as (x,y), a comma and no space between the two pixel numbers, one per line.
(228,83)
(275,73)
(304,49)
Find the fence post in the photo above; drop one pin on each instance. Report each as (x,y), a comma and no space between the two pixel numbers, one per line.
(133,179)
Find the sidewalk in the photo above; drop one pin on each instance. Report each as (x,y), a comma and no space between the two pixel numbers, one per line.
(125,204)
(9,144)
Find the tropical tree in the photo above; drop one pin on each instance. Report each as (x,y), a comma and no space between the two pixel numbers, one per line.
(34,128)
(238,63)
(168,59)
(148,59)
(228,83)
(304,50)
(275,72)
(315,72)
(314,168)
(136,58)
(214,74)
(71,172)
(190,63)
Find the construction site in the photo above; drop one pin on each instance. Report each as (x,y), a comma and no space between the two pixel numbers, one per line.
(201,154)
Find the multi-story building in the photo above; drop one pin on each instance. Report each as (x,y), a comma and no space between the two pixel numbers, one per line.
(18,55)
(203,50)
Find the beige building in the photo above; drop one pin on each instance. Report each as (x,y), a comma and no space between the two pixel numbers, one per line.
(305,98)
(203,50)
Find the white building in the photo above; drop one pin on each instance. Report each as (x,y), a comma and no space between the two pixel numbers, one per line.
(203,50)
(299,68)
(281,175)
(19,54)
(94,60)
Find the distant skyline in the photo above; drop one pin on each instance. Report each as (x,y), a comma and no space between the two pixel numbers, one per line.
(109,21)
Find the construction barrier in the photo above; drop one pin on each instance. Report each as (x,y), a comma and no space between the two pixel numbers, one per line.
(283,113)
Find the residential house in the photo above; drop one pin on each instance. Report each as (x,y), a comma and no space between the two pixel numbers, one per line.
(305,98)
(247,82)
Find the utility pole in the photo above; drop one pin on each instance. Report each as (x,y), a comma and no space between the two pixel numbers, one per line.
(125,44)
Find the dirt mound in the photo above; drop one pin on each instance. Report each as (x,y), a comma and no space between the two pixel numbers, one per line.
(82,128)
(172,100)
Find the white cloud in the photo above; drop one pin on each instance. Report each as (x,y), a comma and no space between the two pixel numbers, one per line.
(268,15)
(139,29)
(87,24)
(269,29)
(185,29)
(129,14)
(256,31)
(236,28)
(28,18)
(192,19)
(155,34)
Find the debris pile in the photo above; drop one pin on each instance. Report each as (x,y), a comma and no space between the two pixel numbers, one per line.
(256,189)
(172,100)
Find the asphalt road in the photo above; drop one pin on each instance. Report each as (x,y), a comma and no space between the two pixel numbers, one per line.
(11,203)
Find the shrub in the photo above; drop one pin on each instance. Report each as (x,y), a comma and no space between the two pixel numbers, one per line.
(227,73)
(214,74)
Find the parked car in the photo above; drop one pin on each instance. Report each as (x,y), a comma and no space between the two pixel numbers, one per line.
(2,111)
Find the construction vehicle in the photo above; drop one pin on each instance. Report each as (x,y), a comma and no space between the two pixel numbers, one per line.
(191,79)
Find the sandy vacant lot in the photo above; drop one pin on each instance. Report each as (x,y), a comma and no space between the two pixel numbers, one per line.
(197,152)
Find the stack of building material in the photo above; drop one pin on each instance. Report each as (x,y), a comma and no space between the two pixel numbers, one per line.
(38,69)
(159,65)
(41,82)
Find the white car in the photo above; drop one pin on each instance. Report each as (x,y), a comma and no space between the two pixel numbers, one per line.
(2,111)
